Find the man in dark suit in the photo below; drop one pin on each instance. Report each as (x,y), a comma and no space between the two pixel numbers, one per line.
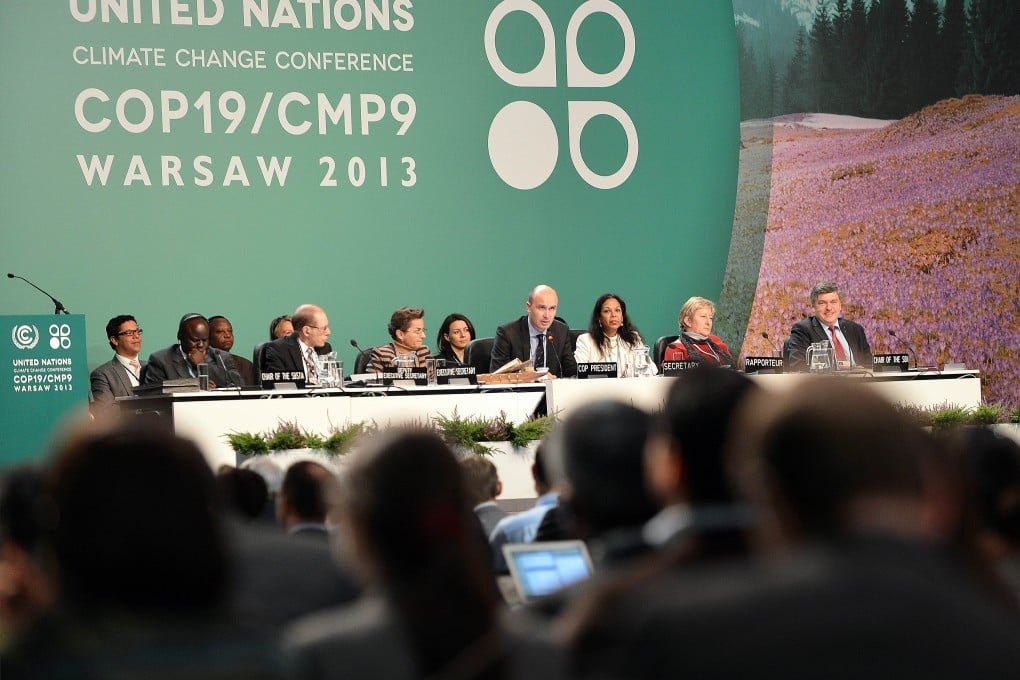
(538,336)
(182,360)
(221,336)
(301,503)
(120,375)
(844,336)
(295,353)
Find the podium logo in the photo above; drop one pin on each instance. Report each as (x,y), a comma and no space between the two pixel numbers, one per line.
(25,336)
(523,142)
(60,336)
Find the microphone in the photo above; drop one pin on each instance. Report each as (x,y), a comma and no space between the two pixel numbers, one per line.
(910,348)
(775,347)
(58,306)
(355,345)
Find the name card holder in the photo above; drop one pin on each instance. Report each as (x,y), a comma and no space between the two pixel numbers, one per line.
(764,365)
(283,380)
(457,375)
(899,361)
(417,375)
(602,369)
(675,368)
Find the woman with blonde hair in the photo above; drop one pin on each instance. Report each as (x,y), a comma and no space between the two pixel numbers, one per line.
(696,342)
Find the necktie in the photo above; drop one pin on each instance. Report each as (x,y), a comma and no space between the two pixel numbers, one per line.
(539,351)
(837,345)
(136,368)
(310,372)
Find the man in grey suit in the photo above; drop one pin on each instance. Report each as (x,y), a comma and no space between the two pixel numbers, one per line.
(538,336)
(843,335)
(182,360)
(120,375)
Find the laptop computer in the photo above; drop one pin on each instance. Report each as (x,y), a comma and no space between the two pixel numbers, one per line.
(542,568)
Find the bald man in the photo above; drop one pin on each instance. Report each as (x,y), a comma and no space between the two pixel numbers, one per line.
(295,352)
(537,335)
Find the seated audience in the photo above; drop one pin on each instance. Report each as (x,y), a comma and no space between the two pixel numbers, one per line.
(537,336)
(696,342)
(142,566)
(221,336)
(864,588)
(523,526)
(120,375)
(848,340)
(295,353)
(301,504)
(611,335)
(432,605)
(483,486)
(454,335)
(407,328)
(280,326)
(192,348)
(243,493)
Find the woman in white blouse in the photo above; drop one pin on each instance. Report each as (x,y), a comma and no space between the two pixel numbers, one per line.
(611,335)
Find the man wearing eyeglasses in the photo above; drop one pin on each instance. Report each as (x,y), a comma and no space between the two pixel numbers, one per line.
(121,374)
(295,353)
(183,359)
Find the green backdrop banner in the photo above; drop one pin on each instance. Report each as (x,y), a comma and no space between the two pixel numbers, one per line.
(242,157)
(45,377)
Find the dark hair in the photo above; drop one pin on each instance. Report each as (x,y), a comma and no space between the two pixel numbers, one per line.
(990,469)
(405,498)
(187,318)
(481,477)
(275,323)
(242,491)
(20,504)
(441,342)
(303,490)
(401,318)
(217,318)
(628,332)
(136,523)
(114,324)
(603,446)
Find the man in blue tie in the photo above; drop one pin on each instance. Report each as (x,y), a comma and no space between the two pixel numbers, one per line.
(538,336)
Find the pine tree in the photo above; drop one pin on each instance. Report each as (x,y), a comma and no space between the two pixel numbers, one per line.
(991,53)
(951,39)
(923,53)
(796,93)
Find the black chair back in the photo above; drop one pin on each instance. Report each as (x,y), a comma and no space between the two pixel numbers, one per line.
(660,349)
(575,333)
(256,360)
(478,353)
(361,361)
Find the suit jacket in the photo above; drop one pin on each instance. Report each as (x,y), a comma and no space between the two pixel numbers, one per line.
(245,369)
(109,381)
(171,364)
(513,340)
(284,354)
(809,330)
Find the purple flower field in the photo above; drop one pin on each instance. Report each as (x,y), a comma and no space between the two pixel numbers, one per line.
(918,221)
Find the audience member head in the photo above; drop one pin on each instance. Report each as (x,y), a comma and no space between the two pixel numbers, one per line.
(405,507)
(540,469)
(280,327)
(603,447)
(135,525)
(268,470)
(193,332)
(827,302)
(26,591)
(311,325)
(242,492)
(482,479)
(541,307)
(696,316)
(124,335)
(407,327)
(832,458)
(302,497)
(455,333)
(609,318)
(221,333)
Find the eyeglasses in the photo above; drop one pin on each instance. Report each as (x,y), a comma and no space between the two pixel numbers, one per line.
(137,332)
(419,331)
(324,329)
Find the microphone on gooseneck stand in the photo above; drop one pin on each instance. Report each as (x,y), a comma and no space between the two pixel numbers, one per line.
(775,348)
(910,348)
(58,306)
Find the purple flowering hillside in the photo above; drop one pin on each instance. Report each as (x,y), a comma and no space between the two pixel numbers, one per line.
(918,220)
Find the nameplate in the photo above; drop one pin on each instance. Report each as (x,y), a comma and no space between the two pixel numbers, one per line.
(457,375)
(892,362)
(677,367)
(272,380)
(602,369)
(418,375)
(763,365)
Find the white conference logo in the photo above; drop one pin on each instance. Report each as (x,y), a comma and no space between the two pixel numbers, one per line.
(60,336)
(25,336)
(523,144)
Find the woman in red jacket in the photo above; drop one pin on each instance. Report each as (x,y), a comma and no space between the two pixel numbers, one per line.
(696,342)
